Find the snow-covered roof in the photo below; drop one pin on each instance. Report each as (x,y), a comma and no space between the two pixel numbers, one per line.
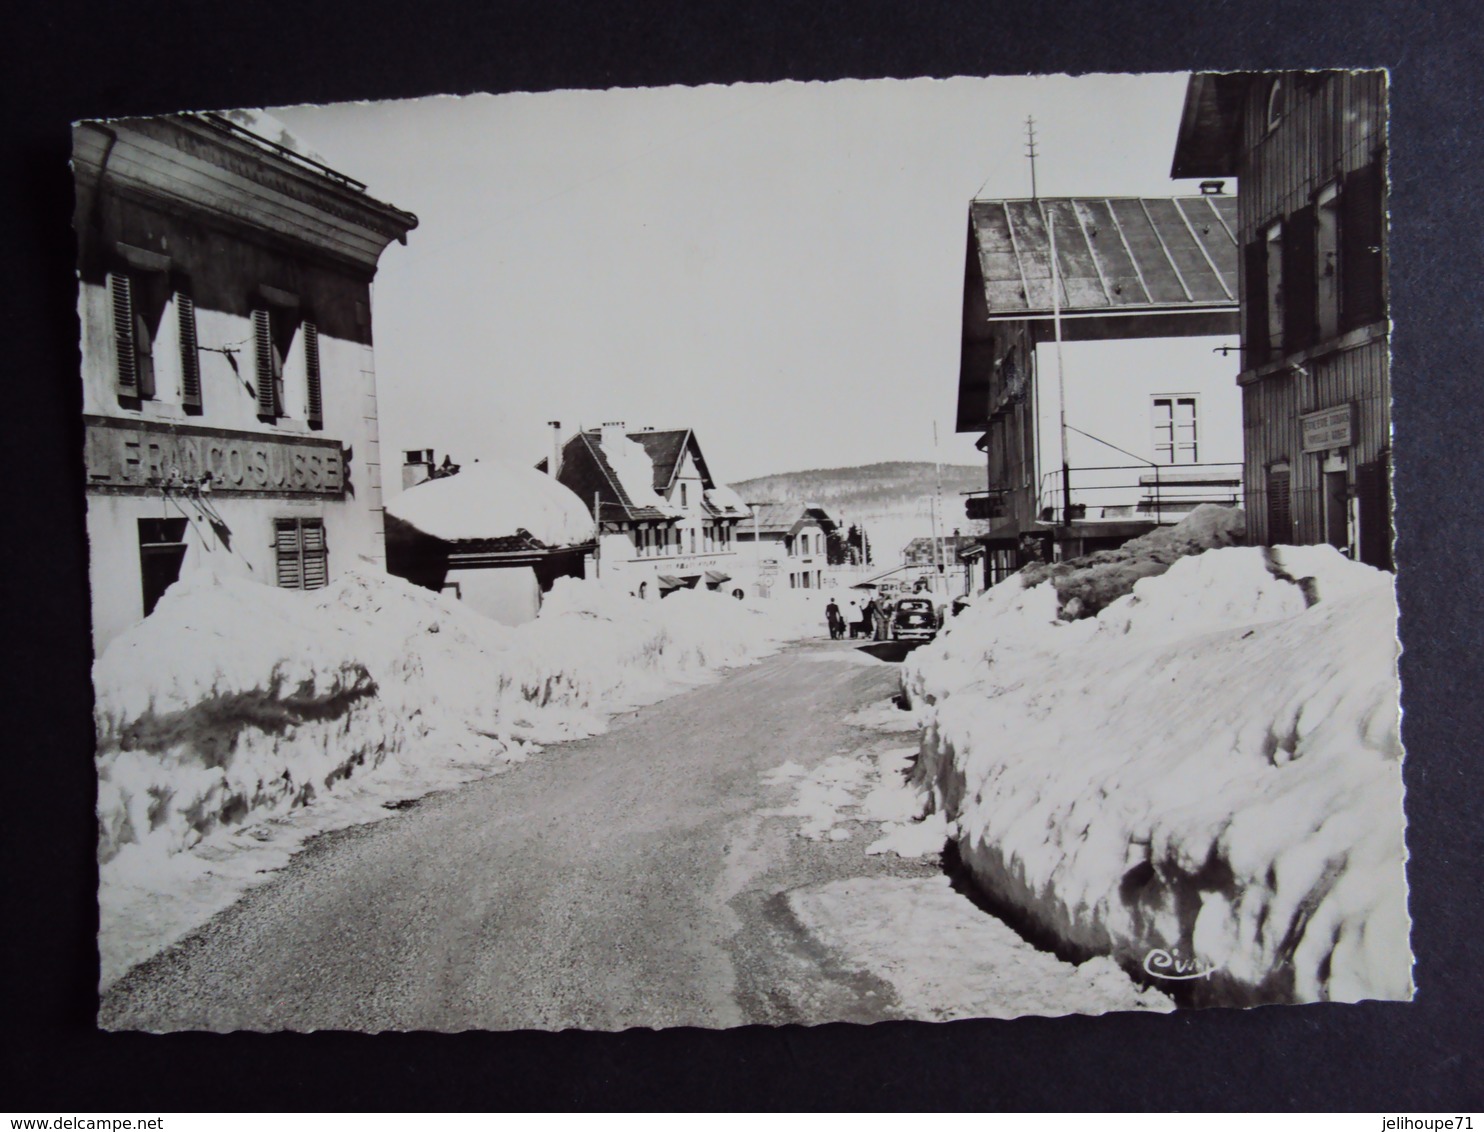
(494,499)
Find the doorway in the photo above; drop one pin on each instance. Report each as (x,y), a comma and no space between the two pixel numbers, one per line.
(1335,493)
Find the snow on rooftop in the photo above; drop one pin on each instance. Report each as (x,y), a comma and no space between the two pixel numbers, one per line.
(496,499)
(635,471)
(725,499)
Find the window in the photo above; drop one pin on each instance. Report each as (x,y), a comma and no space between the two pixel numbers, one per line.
(1274,328)
(1175,440)
(693,540)
(162,549)
(139,299)
(190,352)
(287,361)
(683,502)
(1280,507)
(303,558)
(1327,261)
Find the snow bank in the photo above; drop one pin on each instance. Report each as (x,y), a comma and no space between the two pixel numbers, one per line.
(1203,777)
(1088,584)
(236,702)
(496,499)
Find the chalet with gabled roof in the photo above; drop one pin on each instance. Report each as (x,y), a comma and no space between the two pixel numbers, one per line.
(664,522)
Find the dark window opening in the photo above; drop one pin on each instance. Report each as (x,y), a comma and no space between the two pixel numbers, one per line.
(162,549)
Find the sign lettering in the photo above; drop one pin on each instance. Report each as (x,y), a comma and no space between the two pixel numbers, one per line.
(142,456)
(1326,429)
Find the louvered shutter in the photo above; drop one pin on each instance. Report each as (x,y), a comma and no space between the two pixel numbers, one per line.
(1280,507)
(1255,264)
(314,560)
(1300,282)
(121,289)
(190,356)
(286,548)
(315,409)
(262,329)
(1362,230)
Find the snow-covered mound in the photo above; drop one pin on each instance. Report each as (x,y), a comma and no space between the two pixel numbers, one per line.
(496,499)
(235,701)
(1203,777)
(1094,581)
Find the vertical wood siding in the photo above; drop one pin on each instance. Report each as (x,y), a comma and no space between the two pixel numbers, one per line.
(1332,125)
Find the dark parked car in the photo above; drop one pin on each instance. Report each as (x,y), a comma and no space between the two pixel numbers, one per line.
(914,619)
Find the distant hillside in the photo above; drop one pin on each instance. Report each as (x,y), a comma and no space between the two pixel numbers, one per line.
(898,488)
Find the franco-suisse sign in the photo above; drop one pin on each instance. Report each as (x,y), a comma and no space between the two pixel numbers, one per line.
(134,456)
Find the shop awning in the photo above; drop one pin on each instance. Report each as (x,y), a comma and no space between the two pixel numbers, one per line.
(666,582)
(716,577)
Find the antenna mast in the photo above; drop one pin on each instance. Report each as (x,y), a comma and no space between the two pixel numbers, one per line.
(1030,151)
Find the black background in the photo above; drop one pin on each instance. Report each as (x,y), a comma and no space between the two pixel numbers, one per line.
(71,60)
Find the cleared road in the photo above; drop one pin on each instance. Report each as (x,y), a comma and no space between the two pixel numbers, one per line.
(626,880)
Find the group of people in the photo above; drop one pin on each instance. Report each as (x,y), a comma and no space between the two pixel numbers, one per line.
(869,619)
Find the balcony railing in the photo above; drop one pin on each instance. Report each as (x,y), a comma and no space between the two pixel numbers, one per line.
(1158,493)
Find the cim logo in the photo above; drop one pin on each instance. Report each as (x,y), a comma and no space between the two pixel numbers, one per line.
(1162,964)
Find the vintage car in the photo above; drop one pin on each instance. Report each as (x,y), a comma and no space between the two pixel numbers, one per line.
(914,619)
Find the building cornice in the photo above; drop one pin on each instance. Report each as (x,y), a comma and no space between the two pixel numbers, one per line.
(225,176)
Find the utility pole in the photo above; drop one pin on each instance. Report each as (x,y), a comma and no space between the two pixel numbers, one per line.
(1061,376)
(1030,151)
(940,548)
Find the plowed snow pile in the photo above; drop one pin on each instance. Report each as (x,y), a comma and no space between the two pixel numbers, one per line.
(1205,776)
(236,702)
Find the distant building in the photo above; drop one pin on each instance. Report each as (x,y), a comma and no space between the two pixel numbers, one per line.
(664,523)
(229,392)
(1309,150)
(789,544)
(495,536)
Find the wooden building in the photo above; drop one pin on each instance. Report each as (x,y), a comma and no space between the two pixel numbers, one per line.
(1125,268)
(229,391)
(1309,151)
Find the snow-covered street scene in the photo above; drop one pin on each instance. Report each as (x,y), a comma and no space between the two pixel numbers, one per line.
(796,553)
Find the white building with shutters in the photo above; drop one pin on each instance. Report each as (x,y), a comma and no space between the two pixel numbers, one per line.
(229,393)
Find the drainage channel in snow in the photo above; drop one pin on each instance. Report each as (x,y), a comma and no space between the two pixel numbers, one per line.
(944,956)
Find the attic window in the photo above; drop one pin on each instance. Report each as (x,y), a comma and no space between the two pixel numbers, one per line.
(1276,103)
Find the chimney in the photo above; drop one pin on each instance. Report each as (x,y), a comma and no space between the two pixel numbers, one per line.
(417,466)
(613,432)
(554,461)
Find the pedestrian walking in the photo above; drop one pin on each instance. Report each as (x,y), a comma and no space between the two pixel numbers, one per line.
(833,620)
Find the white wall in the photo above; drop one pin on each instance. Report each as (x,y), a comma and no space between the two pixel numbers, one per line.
(353,525)
(1109,387)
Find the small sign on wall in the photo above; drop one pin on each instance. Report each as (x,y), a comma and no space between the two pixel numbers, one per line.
(1328,428)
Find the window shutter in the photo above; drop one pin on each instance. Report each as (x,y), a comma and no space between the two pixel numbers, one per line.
(122,290)
(1280,508)
(1362,230)
(1300,282)
(262,328)
(190,356)
(316,410)
(1256,331)
(286,548)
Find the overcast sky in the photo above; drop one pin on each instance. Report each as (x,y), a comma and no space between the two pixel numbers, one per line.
(779,267)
